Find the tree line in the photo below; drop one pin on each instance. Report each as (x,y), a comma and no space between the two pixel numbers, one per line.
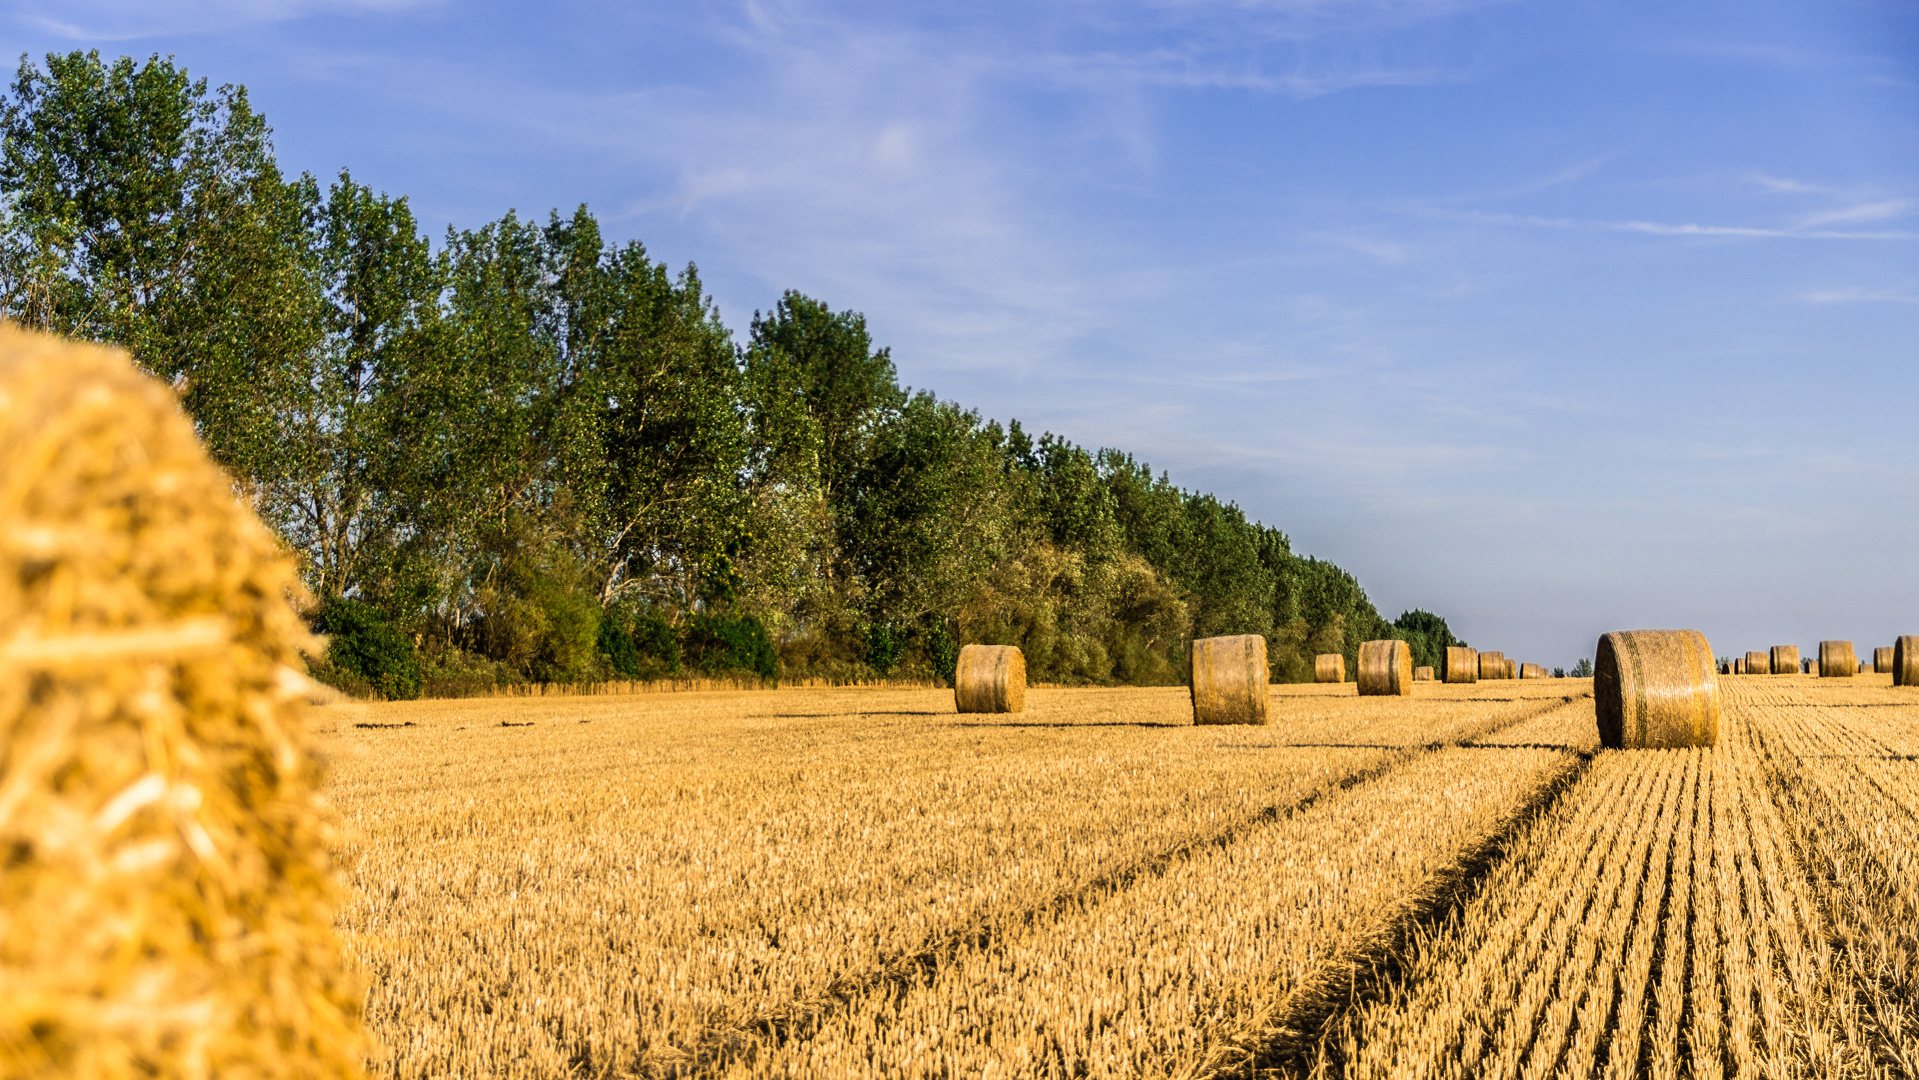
(532,454)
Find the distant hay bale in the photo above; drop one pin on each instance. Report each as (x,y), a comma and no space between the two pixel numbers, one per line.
(1462,664)
(1785,660)
(1329,667)
(1531,671)
(168,907)
(1758,663)
(1882,660)
(1905,661)
(1229,679)
(1739,666)
(990,679)
(1386,668)
(1492,665)
(1512,669)
(1836,660)
(1656,689)
(1422,674)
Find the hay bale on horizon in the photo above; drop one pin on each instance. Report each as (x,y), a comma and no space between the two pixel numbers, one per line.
(1758,663)
(990,679)
(1228,679)
(1386,669)
(1462,664)
(1492,665)
(168,899)
(1329,667)
(1836,660)
(1739,666)
(1422,674)
(1656,689)
(1532,671)
(1905,661)
(1512,669)
(1785,660)
(1882,660)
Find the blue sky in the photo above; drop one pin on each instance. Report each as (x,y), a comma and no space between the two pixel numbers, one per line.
(1555,318)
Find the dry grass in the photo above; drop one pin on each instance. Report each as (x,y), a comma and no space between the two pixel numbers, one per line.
(646,884)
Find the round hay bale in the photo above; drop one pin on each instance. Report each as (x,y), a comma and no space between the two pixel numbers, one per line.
(1492,665)
(1836,660)
(1228,679)
(1386,668)
(1531,671)
(1329,667)
(1422,674)
(1512,669)
(1905,661)
(1758,663)
(1785,660)
(1462,664)
(1739,666)
(1882,660)
(990,679)
(1656,689)
(168,901)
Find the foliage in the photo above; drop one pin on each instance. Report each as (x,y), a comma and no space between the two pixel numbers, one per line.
(539,455)
(363,643)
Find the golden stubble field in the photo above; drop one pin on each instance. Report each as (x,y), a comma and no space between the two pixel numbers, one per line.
(864,883)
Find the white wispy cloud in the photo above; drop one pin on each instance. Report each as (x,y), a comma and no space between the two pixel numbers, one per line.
(132,20)
(1658,228)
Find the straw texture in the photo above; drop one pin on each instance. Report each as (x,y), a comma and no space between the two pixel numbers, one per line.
(1512,669)
(1329,667)
(1785,660)
(990,679)
(1422,674)
(1492,665)
(1462,664)
(1229,679)
(1882,660)
(1386,668)
(1836,660)
(1531,671)
(1905,661)
(1758,663)
(1656,689)
(167,905)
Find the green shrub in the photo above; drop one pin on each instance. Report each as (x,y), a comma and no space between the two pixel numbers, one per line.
(720,643)
(364,642)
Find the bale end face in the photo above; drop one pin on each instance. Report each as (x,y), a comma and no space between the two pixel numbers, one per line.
(990,679)
(1329,668)
(1386,669)
(1905,661)
(1228,678)
(1836,660)
(1656,689)
(1462,664)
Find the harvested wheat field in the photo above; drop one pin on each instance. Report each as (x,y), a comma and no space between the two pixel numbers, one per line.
(864,882)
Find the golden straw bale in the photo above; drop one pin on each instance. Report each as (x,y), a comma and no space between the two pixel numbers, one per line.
(1531,671)
(1329,667)
(1882,660)
(1785,660)
(1462,664)
(1905,661)
(1512,669)
(1386,668)
(1228,679)
(1739,666)
(1836,660)
(990,679)
(1656,689)
(1422,674)
(167,901)
(1492,665)
(1758,663)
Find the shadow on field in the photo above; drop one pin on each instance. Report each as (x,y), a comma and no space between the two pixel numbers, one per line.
(1409,746)
(1103,723)
(853,712)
